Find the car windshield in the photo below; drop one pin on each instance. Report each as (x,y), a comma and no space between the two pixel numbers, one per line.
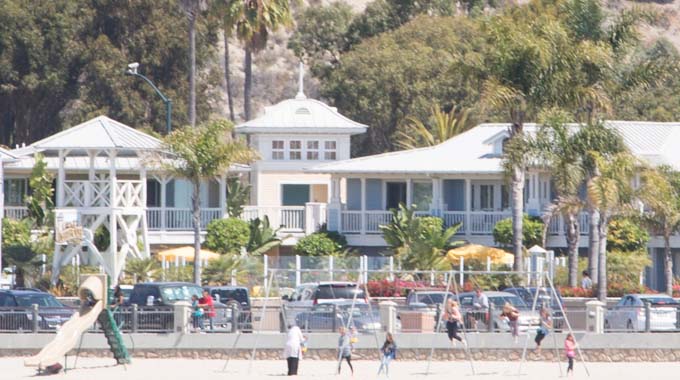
(499,301)
(660,300)
(432,298)
(180,293)
(42,300)
(226,295)
(358,311)
(335,291)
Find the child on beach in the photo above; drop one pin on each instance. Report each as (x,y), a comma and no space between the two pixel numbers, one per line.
(197,313)
(345,349)
(389,353)
(454,321)
(544,328)
(570,350)
(512,315)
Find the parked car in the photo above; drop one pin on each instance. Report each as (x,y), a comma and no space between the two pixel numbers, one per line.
(527,318)
(427,298)
(16,313)
(159,296)
(546,298)
(629,313)
(307,295)
(230,296)
(330,316)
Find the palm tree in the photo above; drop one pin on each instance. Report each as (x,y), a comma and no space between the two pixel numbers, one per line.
(222,270)
(201,154)
(192,8)
(255,20)
(226,10)
(556,149)
(660,192)
(143,270)
(443,126)
(263,238)
(610,191)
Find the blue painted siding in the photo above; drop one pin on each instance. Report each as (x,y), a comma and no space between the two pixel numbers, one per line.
(353,194)
(454,194)
(374,194)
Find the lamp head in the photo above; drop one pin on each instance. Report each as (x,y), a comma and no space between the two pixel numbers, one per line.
(132,68)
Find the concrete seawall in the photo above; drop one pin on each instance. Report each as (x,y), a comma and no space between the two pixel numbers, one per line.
(497,347)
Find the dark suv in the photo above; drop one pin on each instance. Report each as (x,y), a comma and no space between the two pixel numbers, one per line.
(16,310)
(163,293)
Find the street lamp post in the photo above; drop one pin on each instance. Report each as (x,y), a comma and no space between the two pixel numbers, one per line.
(132,70)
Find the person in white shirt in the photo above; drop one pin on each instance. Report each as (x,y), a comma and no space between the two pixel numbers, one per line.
(586,282)
(293,350)
(480,303)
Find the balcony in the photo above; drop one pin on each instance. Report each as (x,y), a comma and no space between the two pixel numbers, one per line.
(16,212)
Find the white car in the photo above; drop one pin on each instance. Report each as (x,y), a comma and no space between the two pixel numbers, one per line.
(308,295)
(629,313)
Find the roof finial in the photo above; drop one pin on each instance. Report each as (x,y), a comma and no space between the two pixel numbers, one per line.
(301,85)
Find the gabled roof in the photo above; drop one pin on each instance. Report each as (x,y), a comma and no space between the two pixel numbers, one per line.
(99,133)
(5,155)
(472,152)
(301,115)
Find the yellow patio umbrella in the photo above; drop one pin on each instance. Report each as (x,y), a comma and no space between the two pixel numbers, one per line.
(480,252)
(186,252)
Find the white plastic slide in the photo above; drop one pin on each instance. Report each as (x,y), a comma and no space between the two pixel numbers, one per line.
(70,332)
(68,336)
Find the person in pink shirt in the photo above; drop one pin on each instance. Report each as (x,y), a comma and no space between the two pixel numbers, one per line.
(570,349)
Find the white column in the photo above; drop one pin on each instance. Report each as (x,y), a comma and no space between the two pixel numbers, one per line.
(144,221)
(223,195)
(164,182)
(436,207)
(112,261)
(409,192)
(364,217)
(468,206)
(334,211)
(61,178)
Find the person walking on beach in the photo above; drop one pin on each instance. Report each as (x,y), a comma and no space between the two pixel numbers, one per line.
(543,329)
(570,350)
(454,320)
(294,348)
(389,353)
(345,349)
(512,315)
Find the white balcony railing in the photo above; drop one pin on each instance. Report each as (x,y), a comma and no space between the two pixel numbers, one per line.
(351,222)
(87,193)
(16,212)
(173,219)
(483,222)
(453,217)
(288,218)
(374,219)
(556,227)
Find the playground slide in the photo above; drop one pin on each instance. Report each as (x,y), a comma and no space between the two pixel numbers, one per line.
(68,336)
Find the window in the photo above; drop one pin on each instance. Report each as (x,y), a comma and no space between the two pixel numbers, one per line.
(422,195)
(15,191)
(312,150)
(295,149)
(277,150)
(486,197)
(330,148)
(505,198)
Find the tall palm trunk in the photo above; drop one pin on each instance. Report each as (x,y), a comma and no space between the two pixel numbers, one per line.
(196,213)
(227,75)
(192,72)
(248,82)
(517,215)
(668,262)
(602,255)
(573,236)
(594,242)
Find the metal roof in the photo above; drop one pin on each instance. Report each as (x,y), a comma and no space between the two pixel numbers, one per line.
(99,133)
(5,155)
(472,151)
(301,115)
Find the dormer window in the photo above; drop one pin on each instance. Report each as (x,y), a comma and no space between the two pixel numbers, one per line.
(302,111)
(295,149)
(312,150)
(278,150)
(329,150)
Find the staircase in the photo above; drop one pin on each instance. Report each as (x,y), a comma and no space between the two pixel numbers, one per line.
(113,336)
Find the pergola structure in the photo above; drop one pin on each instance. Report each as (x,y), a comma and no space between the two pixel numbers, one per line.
(102,194)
